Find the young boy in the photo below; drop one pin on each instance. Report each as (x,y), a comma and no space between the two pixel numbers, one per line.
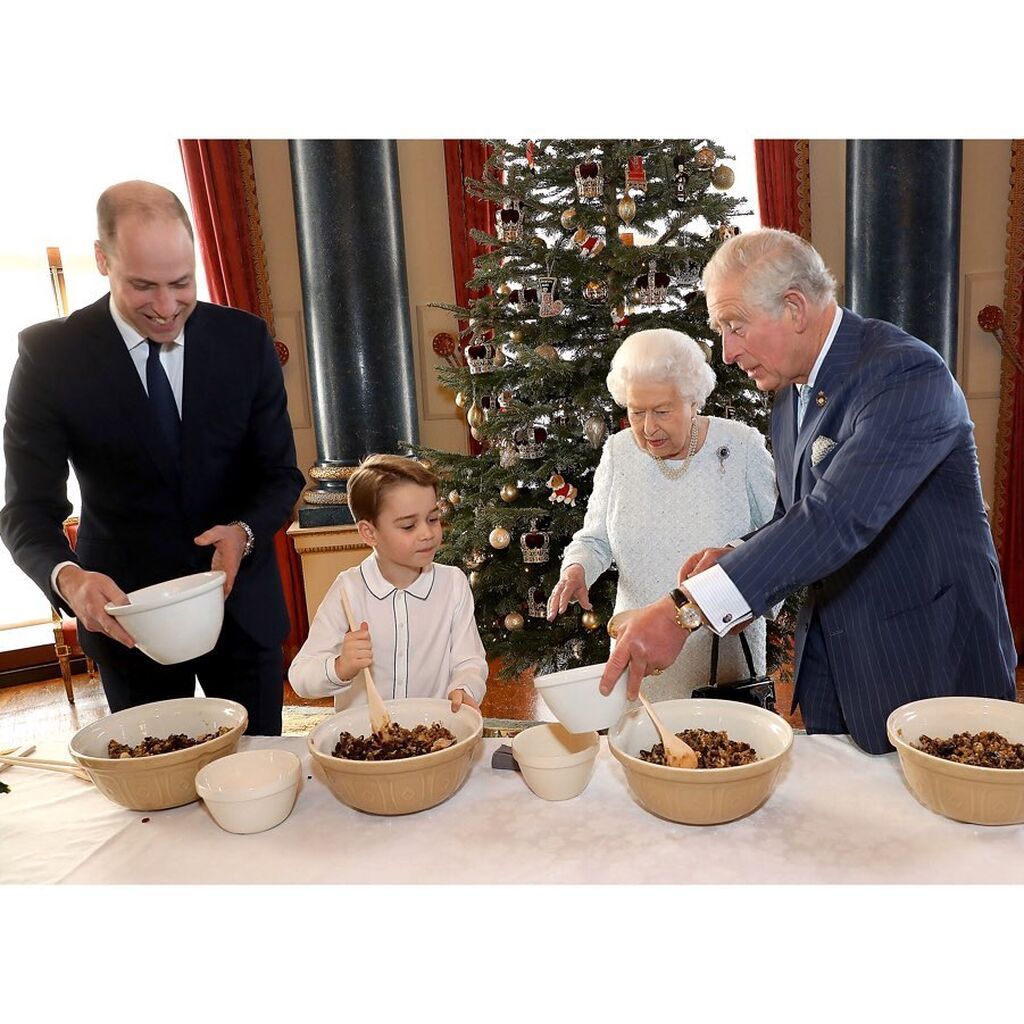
(415,625)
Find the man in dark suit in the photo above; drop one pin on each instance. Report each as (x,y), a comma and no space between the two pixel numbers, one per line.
(174,416)
(880,512)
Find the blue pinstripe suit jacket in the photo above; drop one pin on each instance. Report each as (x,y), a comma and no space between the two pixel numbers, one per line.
(888,531)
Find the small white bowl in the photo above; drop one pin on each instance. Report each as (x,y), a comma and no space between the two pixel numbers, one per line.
(575,700)
(251,791)
(556,764)
(177,620)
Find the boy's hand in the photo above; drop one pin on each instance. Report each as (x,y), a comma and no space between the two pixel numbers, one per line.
(459,697)
(356,653)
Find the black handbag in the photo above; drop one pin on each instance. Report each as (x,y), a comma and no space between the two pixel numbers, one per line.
(757,690)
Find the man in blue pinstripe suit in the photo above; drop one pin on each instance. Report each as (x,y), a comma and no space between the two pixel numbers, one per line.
(880,512)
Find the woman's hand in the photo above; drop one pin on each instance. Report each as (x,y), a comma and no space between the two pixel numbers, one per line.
(356,653)
(571,587)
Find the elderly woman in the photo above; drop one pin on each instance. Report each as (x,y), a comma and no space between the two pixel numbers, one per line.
(674,483)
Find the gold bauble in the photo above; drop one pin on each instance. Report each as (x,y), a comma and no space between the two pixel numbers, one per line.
(547,352)
(455,498)
(516,337)
(460,399)
(509,493)
(514,621)
(499,356)
(590,620)
(568,216)
(475,415)
(627,209)
(503,289)
(426,464)
(475,434)
(723,177)
(705,157)
(538,243)
(474,579)
(500,538)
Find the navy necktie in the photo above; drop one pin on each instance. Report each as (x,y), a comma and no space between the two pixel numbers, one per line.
(161,398)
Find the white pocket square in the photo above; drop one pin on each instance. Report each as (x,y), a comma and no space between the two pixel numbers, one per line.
(820,448)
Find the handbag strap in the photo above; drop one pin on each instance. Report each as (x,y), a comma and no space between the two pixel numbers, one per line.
(714,656)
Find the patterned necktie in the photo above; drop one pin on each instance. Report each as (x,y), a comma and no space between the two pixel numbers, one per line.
(161,398)
(802,403)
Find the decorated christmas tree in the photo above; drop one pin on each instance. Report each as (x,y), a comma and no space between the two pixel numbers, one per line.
(593,239)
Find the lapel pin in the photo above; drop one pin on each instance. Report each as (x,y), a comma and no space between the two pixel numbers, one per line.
(820,399)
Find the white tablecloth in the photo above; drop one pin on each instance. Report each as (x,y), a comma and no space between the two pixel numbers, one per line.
(837,815)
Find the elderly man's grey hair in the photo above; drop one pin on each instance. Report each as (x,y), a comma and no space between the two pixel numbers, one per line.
(771,262)
(661,356)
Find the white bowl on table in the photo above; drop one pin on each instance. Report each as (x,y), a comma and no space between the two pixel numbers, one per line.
(702,796)
(575,700)
(177,620)
(556,764)
(963,792)
(251,791)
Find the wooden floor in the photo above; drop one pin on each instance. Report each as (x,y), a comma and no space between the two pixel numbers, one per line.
(41,710)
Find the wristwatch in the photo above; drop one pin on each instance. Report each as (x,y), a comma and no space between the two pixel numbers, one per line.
(688,614)
(250,537)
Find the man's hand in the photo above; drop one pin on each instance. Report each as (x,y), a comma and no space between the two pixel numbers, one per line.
(649,641)
(356,653)
(698,562)
(571,587)
(459,697)
(87,593)
(229,543)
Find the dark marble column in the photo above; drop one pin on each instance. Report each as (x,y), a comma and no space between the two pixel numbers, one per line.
(903,236)
(348,218)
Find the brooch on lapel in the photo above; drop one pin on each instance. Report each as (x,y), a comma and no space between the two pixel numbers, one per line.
(723,454)
(820,448)
(820,399)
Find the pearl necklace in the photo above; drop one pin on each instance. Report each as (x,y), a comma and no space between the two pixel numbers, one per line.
(684,466)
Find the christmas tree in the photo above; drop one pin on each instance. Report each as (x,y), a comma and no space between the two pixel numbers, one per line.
(593,239)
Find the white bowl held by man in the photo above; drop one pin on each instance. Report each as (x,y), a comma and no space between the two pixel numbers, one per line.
(702,796)
(575,700)
(964,792)
(177,620)
(160,780)
(405,785)
(251,791)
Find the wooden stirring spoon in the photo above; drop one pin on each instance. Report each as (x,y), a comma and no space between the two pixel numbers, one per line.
(379,717)
(677,753)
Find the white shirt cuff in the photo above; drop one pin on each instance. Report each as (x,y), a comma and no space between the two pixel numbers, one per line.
(53,579)
(717,597)
(734,543)
(331,675)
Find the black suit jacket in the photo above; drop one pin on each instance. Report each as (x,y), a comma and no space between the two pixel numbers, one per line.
(75,395)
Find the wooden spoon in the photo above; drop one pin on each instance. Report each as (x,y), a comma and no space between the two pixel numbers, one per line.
(677,753)
(379,717)
(64,767)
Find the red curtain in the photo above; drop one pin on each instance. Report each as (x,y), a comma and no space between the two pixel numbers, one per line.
(465,158)
(1008,513)
(784,184)
(222,187)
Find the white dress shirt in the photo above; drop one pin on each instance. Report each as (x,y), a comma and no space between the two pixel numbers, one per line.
(172,359)
(712,591)
(424,637)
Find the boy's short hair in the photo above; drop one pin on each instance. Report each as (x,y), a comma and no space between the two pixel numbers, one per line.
(376,475)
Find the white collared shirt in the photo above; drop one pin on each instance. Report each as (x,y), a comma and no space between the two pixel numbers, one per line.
(712,591)
(424,637)
(172,353)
